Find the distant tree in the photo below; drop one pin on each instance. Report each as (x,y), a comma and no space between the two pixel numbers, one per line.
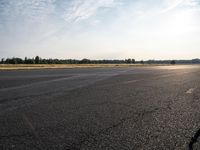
(128,61)
(14,61)
(173,62)
(2,60)
(141,62)
(30,61)
(50,61)
(11,61)
(7,61)
(133,61)
(195,61)
(85,61)
(18,61)
(43,61)
(37,60)
(25,60)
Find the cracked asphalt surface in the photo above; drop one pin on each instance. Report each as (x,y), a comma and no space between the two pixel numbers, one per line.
(138,108)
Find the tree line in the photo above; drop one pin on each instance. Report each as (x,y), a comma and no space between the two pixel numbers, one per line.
(39,60)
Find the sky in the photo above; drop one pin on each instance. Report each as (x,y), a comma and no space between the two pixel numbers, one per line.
(100,29)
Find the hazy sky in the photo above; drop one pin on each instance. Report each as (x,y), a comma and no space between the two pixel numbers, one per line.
(100,29)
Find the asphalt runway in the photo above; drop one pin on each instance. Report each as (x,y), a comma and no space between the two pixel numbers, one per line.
(136,108)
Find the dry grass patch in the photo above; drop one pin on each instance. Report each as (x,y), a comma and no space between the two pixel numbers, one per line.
(54,66)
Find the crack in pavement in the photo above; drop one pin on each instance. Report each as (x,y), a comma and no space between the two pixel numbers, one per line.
(31,127)
(194,140)
(14,135)
(105,130)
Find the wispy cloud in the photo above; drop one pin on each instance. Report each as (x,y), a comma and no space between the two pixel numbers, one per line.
(38,10)
(23,10)
(192,3)
(80,10)
(24,14)
(75,11)
(91,26)
(171,5)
